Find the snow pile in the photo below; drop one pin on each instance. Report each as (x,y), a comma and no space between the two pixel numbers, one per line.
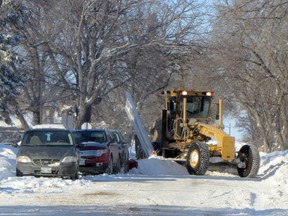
(274,169)
(7,161)
(159,166)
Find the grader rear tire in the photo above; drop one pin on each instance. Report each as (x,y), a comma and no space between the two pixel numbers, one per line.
(197,158)
(250,161)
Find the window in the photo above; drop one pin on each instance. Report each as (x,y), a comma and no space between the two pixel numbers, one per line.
(197,107)
(116,137)
(90,136)
(47,137)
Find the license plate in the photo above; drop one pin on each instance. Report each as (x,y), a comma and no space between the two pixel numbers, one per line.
(82,162)
(46,170)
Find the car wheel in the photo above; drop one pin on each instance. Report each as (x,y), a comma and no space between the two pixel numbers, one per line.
(18,173)
(117,168)
(126,166)
(109,169)
(74,177)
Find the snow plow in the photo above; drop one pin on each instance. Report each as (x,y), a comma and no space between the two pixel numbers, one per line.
(184,134)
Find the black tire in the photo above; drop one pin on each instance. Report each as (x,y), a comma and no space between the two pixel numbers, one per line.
(197,158)
(250,161)
(125,167)
(109,169)
(117,168)
(74,177)
(157,148)
(18,173)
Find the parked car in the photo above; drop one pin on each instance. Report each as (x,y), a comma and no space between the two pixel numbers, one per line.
(124,150)
(48,151)
(99,152)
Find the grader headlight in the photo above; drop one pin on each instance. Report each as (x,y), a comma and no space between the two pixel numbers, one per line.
(184,93)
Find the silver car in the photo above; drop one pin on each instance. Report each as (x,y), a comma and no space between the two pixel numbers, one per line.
(48,152)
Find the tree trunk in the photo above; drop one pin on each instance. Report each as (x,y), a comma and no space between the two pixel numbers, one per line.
(284,129)
(266,145)
(84,115)
(36,117)
(253,112)
(22,120)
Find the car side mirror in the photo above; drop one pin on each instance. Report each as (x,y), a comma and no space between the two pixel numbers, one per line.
(16,145)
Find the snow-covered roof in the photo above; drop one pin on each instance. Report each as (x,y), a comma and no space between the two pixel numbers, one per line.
(54,126)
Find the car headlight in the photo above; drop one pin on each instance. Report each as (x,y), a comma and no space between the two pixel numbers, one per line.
(101,152)
(69,159)
(23,159)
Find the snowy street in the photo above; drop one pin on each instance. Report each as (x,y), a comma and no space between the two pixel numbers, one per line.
(157,187)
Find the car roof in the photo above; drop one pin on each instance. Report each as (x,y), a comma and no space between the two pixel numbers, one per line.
(115,131)
(87,130)
(47,129)
(49,126)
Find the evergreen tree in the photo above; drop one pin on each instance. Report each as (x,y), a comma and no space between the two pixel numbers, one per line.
(10,79)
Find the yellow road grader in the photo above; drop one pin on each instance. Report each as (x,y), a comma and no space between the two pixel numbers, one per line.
(186,135)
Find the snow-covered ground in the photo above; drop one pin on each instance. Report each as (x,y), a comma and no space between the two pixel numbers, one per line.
(156,187)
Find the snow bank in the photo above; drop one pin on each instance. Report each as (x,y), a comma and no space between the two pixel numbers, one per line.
(7,161)
(142,190)
(273,166)
(159,166)
(274,169)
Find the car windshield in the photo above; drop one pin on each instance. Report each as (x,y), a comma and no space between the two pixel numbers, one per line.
(117,136)
(89,136)
(47,137)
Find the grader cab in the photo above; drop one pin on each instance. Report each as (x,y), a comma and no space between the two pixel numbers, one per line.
(186,132)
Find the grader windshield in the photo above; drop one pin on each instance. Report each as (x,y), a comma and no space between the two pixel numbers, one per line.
(197,106)
(189,104)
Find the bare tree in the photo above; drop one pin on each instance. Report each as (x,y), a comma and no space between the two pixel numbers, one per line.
(78,52)
(250,43)
(98,35)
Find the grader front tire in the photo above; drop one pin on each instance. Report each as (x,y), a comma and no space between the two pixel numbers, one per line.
(198,158)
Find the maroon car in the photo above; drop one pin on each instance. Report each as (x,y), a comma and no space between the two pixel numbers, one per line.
(99,151)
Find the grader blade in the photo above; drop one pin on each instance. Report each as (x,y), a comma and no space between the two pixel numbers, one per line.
(138,126)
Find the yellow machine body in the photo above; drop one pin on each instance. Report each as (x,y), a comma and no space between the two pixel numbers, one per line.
(187,119)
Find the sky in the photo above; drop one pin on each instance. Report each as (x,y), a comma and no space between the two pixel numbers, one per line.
(231,128)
